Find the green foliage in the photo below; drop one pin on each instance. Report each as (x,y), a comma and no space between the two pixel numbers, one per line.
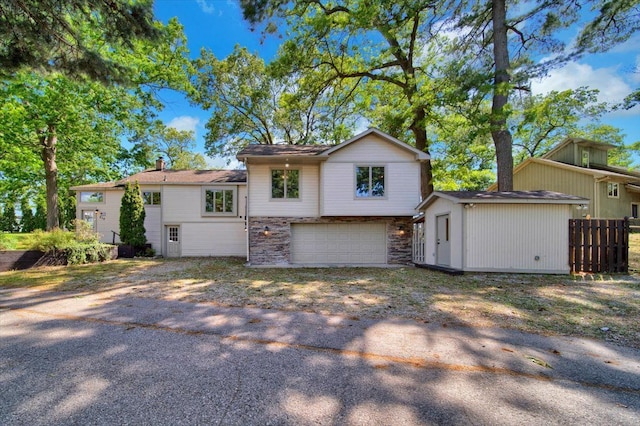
(77,248)
(73,36)
(132,216)
(40,218)
(84,232)
(6,243)
(54,240)
(81,253)
(27,223)
(8,221)
(548,119)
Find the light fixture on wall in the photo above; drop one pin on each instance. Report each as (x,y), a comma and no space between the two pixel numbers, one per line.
(469,206)
(582,207)
(266,231)
(401,230)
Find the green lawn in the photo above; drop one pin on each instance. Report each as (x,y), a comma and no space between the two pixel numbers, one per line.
(15,241)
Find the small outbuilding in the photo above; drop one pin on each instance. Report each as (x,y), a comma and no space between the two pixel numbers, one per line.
(516,232)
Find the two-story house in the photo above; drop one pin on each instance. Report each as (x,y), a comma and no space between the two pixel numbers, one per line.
(580,167)
(350,203)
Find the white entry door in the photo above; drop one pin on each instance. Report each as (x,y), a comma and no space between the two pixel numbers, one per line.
(173,241)
(443,245)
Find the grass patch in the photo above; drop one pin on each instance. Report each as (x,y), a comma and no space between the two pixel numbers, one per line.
(563,305)
(15,241)
(634,252)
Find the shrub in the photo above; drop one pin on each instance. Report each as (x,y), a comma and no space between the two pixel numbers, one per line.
(132,216)
(52,240)
(77,250)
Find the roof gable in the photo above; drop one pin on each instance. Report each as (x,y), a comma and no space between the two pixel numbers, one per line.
(419,155)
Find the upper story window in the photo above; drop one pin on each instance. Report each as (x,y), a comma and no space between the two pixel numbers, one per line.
(585,158)
(151,198)
(218,201)
(370,181)
(612,190)
(285,183)
(92,197)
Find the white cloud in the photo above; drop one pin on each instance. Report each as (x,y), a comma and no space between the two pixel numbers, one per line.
(611,85)
(206,7)
(228,163)
(184,122)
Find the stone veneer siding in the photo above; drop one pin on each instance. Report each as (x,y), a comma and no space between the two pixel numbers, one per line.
(275,248)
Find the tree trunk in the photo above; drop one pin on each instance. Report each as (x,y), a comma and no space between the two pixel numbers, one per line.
(49,141)
(426,173)
(501,86)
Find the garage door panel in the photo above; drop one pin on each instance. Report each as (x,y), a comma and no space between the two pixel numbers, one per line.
(356,243)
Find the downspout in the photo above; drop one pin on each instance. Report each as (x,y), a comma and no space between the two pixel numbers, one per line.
(246,213)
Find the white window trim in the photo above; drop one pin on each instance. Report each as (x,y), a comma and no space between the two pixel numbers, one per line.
(203,209)
(285,199)
(637,208)
(613,190)
(355,182)
(585,157)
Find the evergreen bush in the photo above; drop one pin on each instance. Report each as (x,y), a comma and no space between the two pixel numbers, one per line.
(132,216)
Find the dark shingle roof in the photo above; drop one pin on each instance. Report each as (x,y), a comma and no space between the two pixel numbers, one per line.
(279,150)
(187,176)
(153,176)
(510,195)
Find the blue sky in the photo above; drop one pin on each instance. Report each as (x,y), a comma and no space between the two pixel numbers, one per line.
(218,26)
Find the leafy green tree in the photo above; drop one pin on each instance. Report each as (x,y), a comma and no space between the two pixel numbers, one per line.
(60,131)
(132,216)
(177,147)
(377,44)
(27,223)
(543,121)
(40,217)
(251,102)
(9,222)
(70,36)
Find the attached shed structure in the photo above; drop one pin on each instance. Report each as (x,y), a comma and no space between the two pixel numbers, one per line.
(515,232)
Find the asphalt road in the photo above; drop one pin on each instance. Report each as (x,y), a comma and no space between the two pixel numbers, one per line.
(111,359)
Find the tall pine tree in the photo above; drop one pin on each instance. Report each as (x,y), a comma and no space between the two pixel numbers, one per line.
(132,216)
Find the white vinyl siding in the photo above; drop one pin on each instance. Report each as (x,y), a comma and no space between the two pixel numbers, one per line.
(184,203)
(339,243)
(222,238)
(261,203)
(402,191)
(402,180)
(510,237)
(108,218)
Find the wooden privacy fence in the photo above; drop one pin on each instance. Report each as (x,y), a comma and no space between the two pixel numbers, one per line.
(599,245)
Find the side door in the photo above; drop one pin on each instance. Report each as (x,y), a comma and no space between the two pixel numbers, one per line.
(443,244)
(173,240)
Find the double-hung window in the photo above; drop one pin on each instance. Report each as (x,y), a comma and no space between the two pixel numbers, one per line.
(612,190)
(218,201)
(285,184)
(370,181)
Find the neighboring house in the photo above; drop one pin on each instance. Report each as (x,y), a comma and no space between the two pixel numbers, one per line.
(580,167)
(518,231)
(351,203)
(188,212)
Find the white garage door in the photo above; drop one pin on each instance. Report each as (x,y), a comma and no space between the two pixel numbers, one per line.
(342,243)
